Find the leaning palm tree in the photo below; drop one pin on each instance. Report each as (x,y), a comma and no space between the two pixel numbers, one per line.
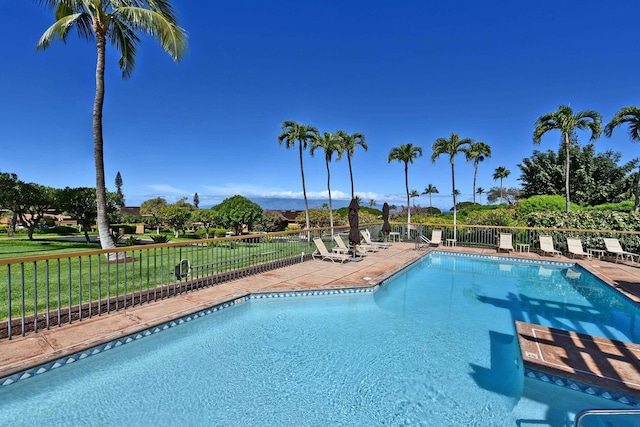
(330,143)
(629,115)
(567,123)
(118,22)
(350,142)
(500,173)
(430,189)
(480,191)
(405,153)
(452,147)
(476,153)
(304,134)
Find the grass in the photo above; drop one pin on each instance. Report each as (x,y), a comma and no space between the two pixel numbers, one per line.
(65,282)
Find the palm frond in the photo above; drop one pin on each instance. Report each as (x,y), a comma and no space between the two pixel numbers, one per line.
(60,30)
(126,42)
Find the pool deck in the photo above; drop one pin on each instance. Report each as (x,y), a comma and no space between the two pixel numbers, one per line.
(606,364)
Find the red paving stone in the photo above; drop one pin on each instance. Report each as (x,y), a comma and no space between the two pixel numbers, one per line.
(593,360)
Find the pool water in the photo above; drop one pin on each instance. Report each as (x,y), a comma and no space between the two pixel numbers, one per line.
(435,346)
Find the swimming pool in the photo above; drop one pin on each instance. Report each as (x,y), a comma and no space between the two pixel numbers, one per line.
(434,346)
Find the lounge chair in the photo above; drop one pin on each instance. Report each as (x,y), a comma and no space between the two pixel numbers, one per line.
(436,238)
(574,247)
(367,239)
(546,246)
(323,253)
(344,249)
(506,242)
(613,247)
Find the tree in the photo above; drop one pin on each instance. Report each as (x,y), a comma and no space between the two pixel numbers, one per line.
(430,189)
(331,144)
(500,173)
(31,202)
(207,217)
(119,193)
(79,203)
(305,135)
(629,115)
(196,200)
(413,194)
(372,202)
(480,191)
(177,215)
(452,147)
(510,195)
(405,153)
(272,221)
(151,207)
(349,144)
(567,123)
(8,182)
(237,212)
(116,21)
(476,153)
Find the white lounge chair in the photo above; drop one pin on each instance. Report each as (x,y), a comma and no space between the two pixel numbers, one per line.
(436,238)
(546,246)
(574,247)
(323,253)
(344,249)
(613,247)
(367,238)
(506,242)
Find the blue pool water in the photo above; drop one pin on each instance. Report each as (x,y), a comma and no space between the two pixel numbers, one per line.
(435,346)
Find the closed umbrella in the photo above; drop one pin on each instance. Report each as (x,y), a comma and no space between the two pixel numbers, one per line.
(354,223)
(386,228)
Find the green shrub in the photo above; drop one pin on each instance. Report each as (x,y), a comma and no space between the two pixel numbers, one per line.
(132,241)
(498,217)
(620,207)
(58,229)
(160,238)
(543,204)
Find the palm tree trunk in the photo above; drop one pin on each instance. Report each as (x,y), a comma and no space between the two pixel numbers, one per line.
(430,203)
(304,190)
(636,205)
(566,174)
(330,205)
(501,192)
(353,194)
(101,192)
(406,185)
(455,201)
(475,175)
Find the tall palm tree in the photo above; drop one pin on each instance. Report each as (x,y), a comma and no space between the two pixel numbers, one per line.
(330,143)
(305,135)
(430,189)
(452,147)
(480,191)
(476,153)
(372,202)
(567,123)
(629,115)
(119,22)
(500,173)
(406,153)
(413,194)
(350,142)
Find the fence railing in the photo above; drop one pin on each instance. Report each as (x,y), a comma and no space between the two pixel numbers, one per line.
(51,290)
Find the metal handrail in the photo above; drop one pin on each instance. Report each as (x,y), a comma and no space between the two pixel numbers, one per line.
(600,412)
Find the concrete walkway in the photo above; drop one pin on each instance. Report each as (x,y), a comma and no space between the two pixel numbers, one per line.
(22,353)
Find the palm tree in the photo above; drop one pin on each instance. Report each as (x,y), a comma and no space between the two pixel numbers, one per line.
(500,173)
(350,142)
(330,143)
(372,202)
(413,194)
(405,153)
(116,21)
(476,153)
(452,146)
(480,190)
(567,122)
(430,189)
(304,134)
(629,115)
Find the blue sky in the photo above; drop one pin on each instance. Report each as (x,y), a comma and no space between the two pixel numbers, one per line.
(399,72)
